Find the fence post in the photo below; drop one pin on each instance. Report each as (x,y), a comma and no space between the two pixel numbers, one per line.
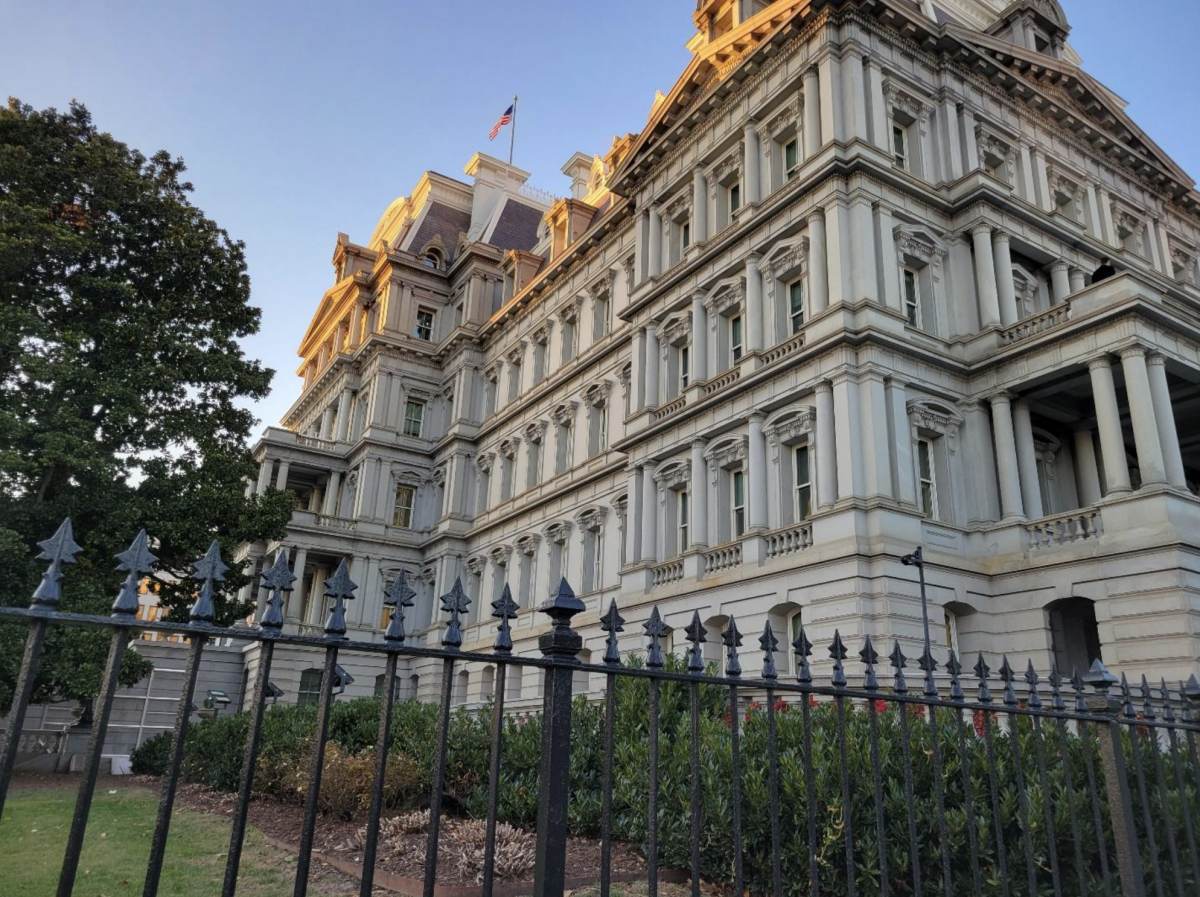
(560,645)
(1116,781)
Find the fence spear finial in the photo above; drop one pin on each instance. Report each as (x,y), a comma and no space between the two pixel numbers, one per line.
(870,657)
(209,569)
(981,672)
(696,636)
(803,650)
(135,560)
(455,603)
(504,609)
(838,652)
(732,639)
(1007,676)
(397,596)
(1056,699)
(1165,694)
(278,578)
(954,668)
(1147,704)
(59,549)
(899,662)
(612,623)
(656,630)
(340,587)
(769,644)
(1032,680)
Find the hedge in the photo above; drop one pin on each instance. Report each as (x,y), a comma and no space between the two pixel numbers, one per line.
(215,749)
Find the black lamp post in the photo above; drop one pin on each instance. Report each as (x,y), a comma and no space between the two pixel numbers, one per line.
(917,559)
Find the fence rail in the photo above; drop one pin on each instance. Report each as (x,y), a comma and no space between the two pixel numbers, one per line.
(1075,786)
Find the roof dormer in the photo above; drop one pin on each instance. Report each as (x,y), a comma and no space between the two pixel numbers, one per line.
(1036,25)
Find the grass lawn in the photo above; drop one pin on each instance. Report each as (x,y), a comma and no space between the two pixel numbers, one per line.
(33,837)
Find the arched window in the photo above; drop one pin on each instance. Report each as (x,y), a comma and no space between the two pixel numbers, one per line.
(461,687)
(487,685)
(432,259)
(1074,637)
(310,688)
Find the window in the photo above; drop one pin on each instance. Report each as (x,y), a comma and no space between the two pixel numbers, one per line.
(1074,636)
(684,509)
(739,503)
(791,158)
(735,339)
(803,483)
(795,291)
(424,324)
(686,234)
(458,314)
(735,198)
(912,303)
(601,428)
(602,319)
(795,625)
(310,688)
(380,680)
(414,414)
(403,513)
(950,621)
(568,340)
(900,146)
(685,367)
(926,482)
(431,260)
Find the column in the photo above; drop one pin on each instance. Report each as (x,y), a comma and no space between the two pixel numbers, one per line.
(812,113)
(856,92)
(634,515)
(753,183)
(818,270)
(1142,416)
(640,248)
(651,366)
(264,475)
(1060,281)
(877,465)
(1011,506)
(1164,416)
(343,415)
(1005,290)
(862,242)
(757,451)
(699,206)
(1045,200)
(1106,219)
(849,435)
(326,431)
(978,466)
(826,445)
(1108,420)
(637,371)
(888,260)
(985,276)
(649,513)
(837,235)
(698,524)
(295,601)
(1031,492)
(1087,472)
(281,476)
(881,134)
(656,234)
(905,476)
(1077,280)
(332,492)
(754,306)
(385,491)
(1026,175)
(953,149)
(832,114)
(699,338)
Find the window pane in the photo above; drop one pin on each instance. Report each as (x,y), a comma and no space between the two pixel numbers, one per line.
(414,412)
(898,143)
(789,155)
(923,459)
(802,465)
(735,198)
(739,488)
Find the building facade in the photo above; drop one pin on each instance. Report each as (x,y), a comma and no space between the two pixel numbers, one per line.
(835,300)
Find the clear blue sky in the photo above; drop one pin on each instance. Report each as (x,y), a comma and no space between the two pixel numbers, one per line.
(301,119)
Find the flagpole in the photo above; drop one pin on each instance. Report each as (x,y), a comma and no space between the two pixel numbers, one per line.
(512,137)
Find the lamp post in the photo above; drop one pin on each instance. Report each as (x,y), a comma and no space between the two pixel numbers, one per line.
(917,559)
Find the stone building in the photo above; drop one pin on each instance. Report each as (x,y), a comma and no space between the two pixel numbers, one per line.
(834,301)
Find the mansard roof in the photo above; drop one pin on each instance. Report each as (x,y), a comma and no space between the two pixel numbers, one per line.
(442,221)
(515,227)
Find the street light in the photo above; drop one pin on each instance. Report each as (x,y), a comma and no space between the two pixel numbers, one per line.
(917,559)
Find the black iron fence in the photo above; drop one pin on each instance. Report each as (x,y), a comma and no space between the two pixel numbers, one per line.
(1077,786)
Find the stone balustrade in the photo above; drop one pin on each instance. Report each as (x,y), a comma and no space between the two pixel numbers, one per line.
(1078,526)
(723,557)
(784,349)
(670,408)
(789,540)
(727,379)
(1035,324)
(671,571)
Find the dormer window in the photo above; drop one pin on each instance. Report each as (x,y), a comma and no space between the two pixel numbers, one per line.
(432,259)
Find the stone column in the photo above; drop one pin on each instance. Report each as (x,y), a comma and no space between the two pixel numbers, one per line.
(818,270)
(833,117)
(1142,416)
(649,513)
(865,283)
(281,475)
(837,234)
(754,306)
(635,514)
(856,93)
(753,185)
(1164,416)
(656,234)
(1078,280)
(264,475)
(1005,289)
(698,524)
(332,492)
(343,415)
(1094,226)
(757,452)
(1031,493)
(326,431)
(826,445)
(651,366)
(1108,419)
(881,134)
(985,276)
(1011,506)
(637,371)
(1087,472)
(901,432)
(953,157)
(295,601)
(812,113)
(640,248)
(1060,281)
(1046,201)
(1026,175)
(385,494)
(700,338)
(849,435)
(699,206)
(877,465)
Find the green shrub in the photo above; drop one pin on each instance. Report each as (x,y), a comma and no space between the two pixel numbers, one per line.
(151,757)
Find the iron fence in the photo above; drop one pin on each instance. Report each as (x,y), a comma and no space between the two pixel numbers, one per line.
(1079,785)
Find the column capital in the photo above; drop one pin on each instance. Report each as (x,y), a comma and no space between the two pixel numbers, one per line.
(1060,265)
(823,388)
(981,229)
(699,443)
(1154,359)
(1134,351)
(1001,397)
(750,124)
(757,417)
(753,259)
(649,466)
(1100,362)
(1000,236)
(817,215)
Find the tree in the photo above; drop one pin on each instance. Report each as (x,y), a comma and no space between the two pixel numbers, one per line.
(122,383)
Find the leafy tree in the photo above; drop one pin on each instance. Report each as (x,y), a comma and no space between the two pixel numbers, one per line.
(122,383)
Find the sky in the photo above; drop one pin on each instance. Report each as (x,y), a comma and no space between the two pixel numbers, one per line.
(298,120)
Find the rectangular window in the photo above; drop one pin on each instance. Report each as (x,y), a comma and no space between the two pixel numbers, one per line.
(424,324)
(735,199)
(601,429)
(900,146)
(402,515)
(458,314)
(912,304)
(1044,478)
(796,305)
(735,339)
(803,484)
(685,367)
(926,480)
(414,414)
(685,518)
(738,488)
(686,234)
(791,157)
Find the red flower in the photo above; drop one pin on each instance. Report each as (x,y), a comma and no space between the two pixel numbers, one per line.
(880,705)
(917,710)
(781,706)
(977,719)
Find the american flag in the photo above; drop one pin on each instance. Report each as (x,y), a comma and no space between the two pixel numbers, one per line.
(503,120)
